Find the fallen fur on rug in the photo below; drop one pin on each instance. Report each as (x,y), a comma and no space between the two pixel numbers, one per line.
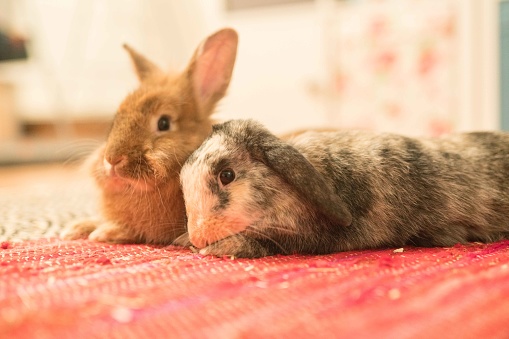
(51,288)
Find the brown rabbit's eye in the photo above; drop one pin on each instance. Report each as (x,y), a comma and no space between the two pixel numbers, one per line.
(226,176)
(163,124)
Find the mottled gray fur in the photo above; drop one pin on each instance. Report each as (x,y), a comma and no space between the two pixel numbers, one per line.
(325,192)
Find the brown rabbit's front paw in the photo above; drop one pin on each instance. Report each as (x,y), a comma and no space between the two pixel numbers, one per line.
(79,230)
(112,233)
(235,246)
(182,241)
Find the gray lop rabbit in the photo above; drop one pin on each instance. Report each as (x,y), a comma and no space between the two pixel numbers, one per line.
(251,194)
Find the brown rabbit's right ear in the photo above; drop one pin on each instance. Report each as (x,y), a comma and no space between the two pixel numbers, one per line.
(211,68)
(144,67)
(295,169)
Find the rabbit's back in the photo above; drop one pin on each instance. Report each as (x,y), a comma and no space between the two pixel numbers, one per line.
(428,192)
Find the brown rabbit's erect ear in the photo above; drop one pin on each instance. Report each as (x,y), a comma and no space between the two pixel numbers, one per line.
(144,67)
(296,170)
(211,68)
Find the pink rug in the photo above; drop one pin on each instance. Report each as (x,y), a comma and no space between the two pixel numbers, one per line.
(80,289)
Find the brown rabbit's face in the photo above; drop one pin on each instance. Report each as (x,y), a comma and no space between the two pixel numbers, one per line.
(154,131)
(159,125)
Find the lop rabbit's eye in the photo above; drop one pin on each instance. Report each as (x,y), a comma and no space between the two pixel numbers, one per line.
(226,176)
(163,124)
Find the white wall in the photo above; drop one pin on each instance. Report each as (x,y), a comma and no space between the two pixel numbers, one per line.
(280,57)
(478,73)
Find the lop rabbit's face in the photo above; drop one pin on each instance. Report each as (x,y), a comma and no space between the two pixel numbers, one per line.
(220,190)
(245,181)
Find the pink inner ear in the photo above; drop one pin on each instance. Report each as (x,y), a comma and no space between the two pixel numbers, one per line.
(214,65)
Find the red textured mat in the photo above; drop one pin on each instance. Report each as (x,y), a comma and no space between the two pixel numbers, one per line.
(81,289)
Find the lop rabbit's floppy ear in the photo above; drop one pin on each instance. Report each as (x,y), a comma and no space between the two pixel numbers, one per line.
(144,67)
(211,68)
(295,169)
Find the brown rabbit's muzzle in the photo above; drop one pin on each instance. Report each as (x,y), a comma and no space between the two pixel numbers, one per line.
(127,169)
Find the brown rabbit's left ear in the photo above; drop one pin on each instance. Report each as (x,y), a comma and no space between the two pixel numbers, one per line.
(211,67)
(295,169)
(144,67)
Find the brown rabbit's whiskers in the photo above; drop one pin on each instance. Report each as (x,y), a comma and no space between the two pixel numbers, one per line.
(76,151)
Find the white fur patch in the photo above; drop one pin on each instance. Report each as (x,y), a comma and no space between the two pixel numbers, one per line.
(194,178)
(107,167)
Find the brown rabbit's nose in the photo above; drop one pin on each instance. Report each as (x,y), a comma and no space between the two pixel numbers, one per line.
(115,160)
(113,163)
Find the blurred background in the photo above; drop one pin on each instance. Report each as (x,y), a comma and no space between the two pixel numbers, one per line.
(417,67)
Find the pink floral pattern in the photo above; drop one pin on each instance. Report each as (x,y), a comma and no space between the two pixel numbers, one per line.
(392,66)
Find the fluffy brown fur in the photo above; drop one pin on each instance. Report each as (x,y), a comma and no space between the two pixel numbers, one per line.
(137,169)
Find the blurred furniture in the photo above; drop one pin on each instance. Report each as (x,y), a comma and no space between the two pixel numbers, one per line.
(12,48)
(9,122)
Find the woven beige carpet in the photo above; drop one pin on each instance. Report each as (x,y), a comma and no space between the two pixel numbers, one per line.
(38,201)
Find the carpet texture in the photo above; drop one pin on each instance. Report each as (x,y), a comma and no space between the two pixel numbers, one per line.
(50,288)
(80,289)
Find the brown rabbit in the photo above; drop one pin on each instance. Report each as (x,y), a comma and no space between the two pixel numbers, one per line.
(154,131)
